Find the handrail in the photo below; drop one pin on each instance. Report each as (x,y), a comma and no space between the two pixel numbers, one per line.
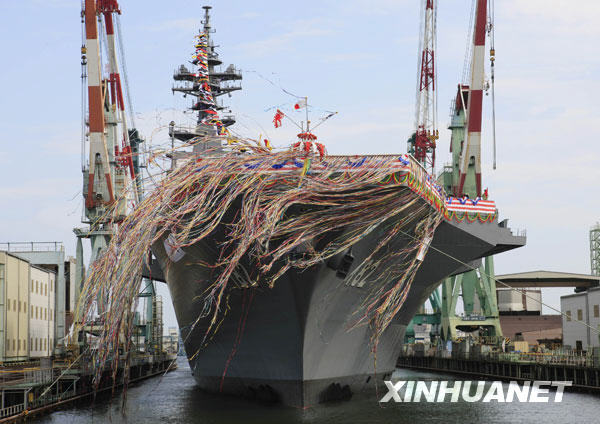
(32,246)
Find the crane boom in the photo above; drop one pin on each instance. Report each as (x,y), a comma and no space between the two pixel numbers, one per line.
(109,162)
(471,149)
(99,169)
(124,155)
(112,145)
(423,142)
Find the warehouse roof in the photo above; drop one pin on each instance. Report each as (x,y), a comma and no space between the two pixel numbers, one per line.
(548,279)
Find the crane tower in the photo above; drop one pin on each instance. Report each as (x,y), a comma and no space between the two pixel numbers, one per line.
(110,164)
(470,156)
(423,142)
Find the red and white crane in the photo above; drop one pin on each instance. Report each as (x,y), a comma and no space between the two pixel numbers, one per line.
(99,164)
(111,167)
(426,131)
(109,160)
(471,149)
(124,155)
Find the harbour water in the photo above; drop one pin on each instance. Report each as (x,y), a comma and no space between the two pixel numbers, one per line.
(174,398)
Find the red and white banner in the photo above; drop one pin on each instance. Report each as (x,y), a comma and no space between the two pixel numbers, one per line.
(471,206)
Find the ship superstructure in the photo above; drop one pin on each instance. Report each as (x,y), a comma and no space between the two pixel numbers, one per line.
(205,81)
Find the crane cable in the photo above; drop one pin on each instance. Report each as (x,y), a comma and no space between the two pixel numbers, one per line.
(124,71)
(466,74)
(83,87)
(493,277)
(492,60)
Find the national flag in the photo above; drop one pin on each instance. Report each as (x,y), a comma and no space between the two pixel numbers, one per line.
(300,104)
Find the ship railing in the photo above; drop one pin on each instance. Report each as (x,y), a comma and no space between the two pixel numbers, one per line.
(447,168)
(452,108)
(12,377)
(456,121)
(231,69)
(231,85)
(182,69)
(12,410)
(32,246)
(184,129)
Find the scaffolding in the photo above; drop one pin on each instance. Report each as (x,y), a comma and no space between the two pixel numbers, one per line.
(157,327)
(595,249)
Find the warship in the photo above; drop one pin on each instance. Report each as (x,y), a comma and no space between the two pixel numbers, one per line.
(291,343)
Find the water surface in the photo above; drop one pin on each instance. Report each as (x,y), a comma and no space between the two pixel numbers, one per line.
(174,398)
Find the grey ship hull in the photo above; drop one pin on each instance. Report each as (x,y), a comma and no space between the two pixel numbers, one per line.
(291,343)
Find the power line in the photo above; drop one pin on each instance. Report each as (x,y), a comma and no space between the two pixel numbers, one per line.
(522,292)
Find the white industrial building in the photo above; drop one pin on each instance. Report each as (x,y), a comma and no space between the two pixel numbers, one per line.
(171,341)
(525,301)
(50,256)
(14,301)
(28,306)
(584,307)
(42,312)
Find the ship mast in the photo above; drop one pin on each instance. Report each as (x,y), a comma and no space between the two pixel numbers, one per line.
(206,84)
(423,142)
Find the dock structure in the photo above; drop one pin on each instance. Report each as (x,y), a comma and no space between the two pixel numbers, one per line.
(582,369)
(33,388)
(40,368)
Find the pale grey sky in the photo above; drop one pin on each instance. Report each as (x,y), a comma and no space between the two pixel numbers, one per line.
(357,57)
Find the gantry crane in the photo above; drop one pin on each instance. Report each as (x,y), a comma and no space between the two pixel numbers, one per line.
(422,143)
(112,162)
(476,287)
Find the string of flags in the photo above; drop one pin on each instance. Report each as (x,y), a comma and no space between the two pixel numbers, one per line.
(277,118)
(206,102)
(307,140)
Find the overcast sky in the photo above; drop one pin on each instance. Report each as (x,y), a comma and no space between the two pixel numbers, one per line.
(357,57)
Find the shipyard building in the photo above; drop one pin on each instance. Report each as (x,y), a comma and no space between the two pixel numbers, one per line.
(171,340)
(14,301)
(41,312)
(577,308)
(37,299)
